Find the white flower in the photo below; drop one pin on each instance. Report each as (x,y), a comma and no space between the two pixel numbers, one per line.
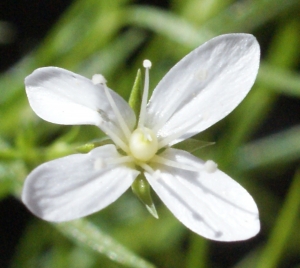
(197,92)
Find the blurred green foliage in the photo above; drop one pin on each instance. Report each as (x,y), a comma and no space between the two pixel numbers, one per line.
(112,38)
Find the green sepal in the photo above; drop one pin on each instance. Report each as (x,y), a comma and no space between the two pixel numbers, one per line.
(141,189)
(192,145)
(135,98)
(96,143)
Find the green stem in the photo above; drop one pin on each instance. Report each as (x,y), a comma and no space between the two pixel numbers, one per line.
(85,233)
(281,233)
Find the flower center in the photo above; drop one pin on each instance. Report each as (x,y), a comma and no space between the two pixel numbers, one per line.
(143,144)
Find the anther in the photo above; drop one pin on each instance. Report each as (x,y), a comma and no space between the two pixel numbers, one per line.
(210,166)
(147,64)
(98,79)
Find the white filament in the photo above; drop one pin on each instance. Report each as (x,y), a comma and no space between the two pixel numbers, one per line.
(120,118)
(114,137)
(147,65)
(170,163)
(120,160)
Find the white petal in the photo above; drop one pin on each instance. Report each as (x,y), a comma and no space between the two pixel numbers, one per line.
(77,185)
(210,204)
(63,97)
(204,86)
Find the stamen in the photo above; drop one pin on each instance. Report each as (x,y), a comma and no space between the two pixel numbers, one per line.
(210,166)
(103,163)
(98,78)
(114,137)
(170,163)
(146,167)
(147,65)
(120,160)
(185,128)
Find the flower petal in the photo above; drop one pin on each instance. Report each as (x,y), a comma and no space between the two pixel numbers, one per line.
(204,86)
(210,204)
(63,97)
(77,185)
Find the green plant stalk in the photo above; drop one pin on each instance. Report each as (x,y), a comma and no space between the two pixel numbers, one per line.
(85,233)
(284,225)
(242,16)
(279,80)
(280,148)
(246,16)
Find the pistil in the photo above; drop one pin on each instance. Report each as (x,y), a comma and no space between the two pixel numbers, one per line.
(143,144)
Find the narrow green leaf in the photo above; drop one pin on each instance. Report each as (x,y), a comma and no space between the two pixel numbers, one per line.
(242,16)
(168,24)
(280,80)
(285,224)
(245,16)
(85,233)
(113,55)
(12,174)
(279,148)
